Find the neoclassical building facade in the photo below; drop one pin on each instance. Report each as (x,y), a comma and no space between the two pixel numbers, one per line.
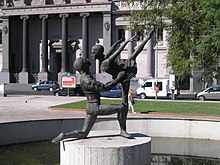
(42,38)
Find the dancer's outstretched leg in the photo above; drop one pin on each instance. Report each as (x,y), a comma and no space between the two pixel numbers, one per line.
(88,124)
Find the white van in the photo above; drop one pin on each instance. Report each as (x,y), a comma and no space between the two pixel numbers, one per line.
(147,89)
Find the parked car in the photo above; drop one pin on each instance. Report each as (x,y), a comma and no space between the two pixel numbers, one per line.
(114,92)
(72,91)
(45,85)
(211,93)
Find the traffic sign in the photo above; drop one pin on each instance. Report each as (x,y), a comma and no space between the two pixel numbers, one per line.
(68,81)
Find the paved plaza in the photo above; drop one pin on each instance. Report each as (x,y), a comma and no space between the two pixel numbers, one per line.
(34,107)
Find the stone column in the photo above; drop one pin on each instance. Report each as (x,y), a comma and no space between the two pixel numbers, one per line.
(85,36)
(4,75)
(128,35)
(64,45)
(64,41)
(107,31)
(107,41)
(44,43)
(43,75)
(25,43)
(149,58)
(23,76)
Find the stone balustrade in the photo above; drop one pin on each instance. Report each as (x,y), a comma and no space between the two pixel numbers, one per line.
(28,3)
(123,5)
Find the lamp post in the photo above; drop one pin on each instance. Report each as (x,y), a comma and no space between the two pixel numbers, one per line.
(156,63)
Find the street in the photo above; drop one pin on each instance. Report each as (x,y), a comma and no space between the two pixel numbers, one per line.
(23,89)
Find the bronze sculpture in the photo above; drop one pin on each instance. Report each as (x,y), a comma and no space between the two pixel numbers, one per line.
(121,70)
(91,88)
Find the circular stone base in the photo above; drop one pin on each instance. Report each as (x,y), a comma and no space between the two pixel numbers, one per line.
(106,148)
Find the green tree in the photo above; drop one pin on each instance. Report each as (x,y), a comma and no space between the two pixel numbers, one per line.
(194,32)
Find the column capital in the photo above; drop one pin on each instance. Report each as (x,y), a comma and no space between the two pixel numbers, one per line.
(63,15)
(43,16)
(24,17)
(84,14)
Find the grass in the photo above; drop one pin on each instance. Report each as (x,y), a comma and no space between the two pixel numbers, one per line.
(160,106)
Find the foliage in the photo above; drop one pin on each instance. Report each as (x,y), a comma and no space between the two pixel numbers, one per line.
(194,31)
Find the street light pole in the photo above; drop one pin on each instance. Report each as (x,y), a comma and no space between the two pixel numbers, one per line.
(156,61)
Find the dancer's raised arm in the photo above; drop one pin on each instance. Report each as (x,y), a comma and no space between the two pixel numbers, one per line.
(111,50)
(117,52)
(141,46)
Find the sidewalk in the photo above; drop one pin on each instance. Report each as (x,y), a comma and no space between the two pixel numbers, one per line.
(35,107)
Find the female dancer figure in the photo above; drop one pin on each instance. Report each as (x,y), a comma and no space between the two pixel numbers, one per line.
(122,70)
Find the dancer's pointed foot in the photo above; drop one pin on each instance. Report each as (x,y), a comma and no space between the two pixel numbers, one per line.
(126,135)
(59,138)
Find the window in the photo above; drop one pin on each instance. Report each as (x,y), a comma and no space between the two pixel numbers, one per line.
(148,84)
(214,89)
(114,88)
(160,35)
(185,83)
(1,2)
(160,86)
(121,34)
(211,90)
(48,2)
(42,82)
(140,36)
(0,36)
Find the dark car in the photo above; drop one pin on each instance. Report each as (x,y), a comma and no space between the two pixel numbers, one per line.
(114,92)
(69,91)
(45,85)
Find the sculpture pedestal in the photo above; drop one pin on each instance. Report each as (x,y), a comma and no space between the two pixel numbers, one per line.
(106,148)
